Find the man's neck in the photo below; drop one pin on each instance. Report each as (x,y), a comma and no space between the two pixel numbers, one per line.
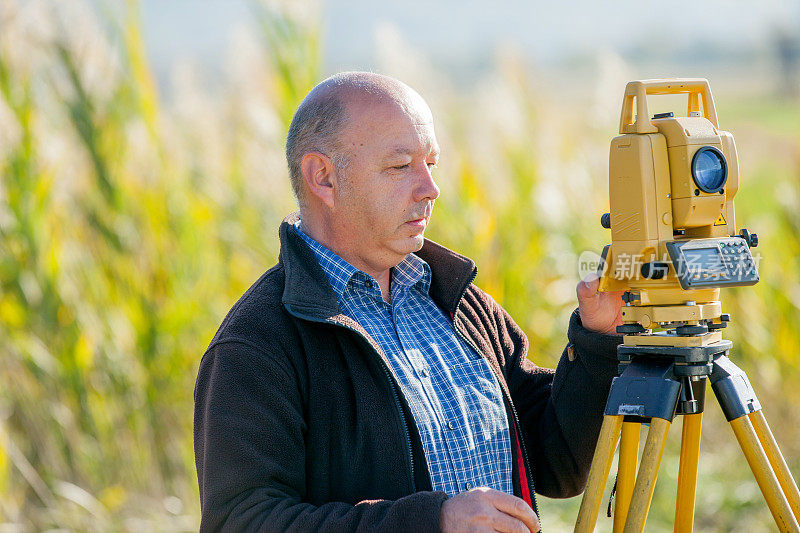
(329,241)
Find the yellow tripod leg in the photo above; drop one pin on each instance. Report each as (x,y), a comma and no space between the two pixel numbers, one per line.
(646,478)
(687,472)
(626,472)
(598,473)
(765,477)
(777,461)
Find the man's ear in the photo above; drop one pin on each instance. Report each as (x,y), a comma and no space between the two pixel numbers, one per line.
(320,176)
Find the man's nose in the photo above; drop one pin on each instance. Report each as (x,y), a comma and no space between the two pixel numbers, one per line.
(426,188)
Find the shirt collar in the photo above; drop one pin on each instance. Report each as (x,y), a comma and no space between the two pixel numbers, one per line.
(411,271)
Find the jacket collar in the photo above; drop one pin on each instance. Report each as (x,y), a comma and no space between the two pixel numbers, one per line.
(308,289)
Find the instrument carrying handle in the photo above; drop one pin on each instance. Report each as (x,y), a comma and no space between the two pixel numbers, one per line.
(637,91)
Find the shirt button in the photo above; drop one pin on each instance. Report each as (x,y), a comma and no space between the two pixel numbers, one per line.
(423,373)
(368,284)
(450,425)
(467,486)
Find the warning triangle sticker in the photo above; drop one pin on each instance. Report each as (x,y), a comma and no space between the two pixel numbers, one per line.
(720,221)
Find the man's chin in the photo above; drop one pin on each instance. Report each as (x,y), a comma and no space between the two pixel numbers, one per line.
(417,242)
(411,244)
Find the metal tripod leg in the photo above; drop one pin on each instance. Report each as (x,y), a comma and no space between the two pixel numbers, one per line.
(739,403)
(777,461)
(598,473)
(646,478)
(626,472)
(687,472)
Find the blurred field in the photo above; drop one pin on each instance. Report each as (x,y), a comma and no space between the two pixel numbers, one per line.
(130,221)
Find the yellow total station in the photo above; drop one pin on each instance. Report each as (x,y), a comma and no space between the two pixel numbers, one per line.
(674,244)
(672,180)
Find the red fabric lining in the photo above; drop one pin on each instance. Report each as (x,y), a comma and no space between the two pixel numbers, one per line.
(523,477)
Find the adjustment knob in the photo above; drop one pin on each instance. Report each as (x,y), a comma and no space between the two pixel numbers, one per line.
(655,270)
(686,331)
(629,297)
(605,220)
(750,238)
(630,329)
(724,318)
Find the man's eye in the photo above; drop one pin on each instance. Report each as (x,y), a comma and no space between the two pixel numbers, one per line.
(400,167)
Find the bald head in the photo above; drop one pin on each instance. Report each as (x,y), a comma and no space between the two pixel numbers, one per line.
(325,112)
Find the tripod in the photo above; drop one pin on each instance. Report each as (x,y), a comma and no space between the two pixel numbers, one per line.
(656,383)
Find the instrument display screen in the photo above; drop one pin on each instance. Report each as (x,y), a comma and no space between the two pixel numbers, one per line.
(713,262)
(703,259)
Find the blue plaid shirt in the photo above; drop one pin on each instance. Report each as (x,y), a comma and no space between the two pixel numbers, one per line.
(454,396)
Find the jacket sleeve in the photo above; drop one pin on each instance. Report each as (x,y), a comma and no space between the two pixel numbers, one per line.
(250,455)
(561,413)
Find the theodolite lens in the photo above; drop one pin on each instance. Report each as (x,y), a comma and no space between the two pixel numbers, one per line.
(709,169)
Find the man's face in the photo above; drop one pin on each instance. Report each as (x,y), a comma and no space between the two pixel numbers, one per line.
(386,192)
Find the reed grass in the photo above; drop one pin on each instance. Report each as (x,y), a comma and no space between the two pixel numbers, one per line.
(130,221)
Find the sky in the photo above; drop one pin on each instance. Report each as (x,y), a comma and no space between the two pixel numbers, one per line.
(463,34)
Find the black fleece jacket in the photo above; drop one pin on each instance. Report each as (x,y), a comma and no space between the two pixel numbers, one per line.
(300,426)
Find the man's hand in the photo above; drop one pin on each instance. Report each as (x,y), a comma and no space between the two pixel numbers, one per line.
(484,509)
(600,311)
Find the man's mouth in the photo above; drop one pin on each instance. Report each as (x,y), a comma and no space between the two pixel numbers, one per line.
(420,220)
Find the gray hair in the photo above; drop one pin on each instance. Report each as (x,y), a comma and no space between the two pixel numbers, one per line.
(315,127)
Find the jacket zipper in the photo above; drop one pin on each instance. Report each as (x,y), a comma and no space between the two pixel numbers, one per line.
(403,418)
(389,377)
(507,397)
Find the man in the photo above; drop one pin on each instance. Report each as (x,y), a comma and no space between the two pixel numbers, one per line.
(364,383)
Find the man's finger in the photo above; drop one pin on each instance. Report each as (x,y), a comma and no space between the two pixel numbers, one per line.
(587,288)
(504,523)
(517,508)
